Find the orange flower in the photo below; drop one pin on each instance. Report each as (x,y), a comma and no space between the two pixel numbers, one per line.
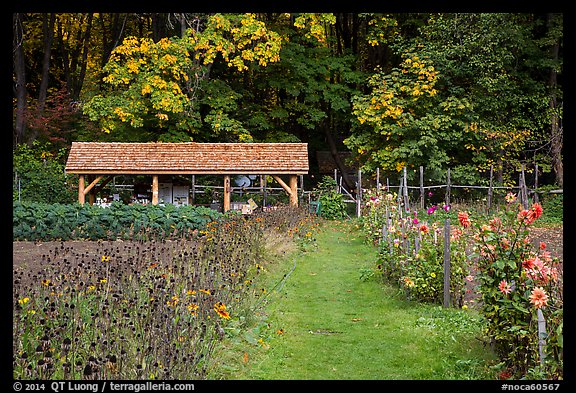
(538,298)
(464,219)
(220,309)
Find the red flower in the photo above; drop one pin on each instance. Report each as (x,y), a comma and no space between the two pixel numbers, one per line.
(464,219)
(537,209)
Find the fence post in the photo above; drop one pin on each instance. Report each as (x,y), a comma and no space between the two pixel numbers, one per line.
(422,187)
(447,263)
(448,188)
(336,179)
(541,336)
(523,191)
(490,189)
(377,179)
(359,194)
(535,183)
(406,200)
(399,197)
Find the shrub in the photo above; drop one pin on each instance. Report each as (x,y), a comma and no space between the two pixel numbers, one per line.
(517,283)
(332,205)
(411,252)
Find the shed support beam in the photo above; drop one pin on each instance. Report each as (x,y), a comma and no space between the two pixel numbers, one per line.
(291,190)
(227,190)
(81,194)
(154,189)
(294,190)
(92,184)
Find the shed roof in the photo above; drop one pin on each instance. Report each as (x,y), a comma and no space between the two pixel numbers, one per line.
(187,158)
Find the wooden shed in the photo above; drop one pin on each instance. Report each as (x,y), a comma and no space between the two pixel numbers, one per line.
(100,161)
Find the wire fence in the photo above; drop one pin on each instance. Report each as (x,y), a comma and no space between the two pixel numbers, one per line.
(416,196)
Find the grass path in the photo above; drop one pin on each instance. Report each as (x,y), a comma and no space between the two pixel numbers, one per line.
(326,322)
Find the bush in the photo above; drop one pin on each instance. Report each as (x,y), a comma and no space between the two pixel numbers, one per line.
(39,176)
(411,252)
(517,283)
(332,205)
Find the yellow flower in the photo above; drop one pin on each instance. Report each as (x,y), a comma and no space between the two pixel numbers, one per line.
(433,275)
(105,258)
(24,300)
(174,301)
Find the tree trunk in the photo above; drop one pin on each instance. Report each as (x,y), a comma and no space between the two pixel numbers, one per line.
(334,151)
(20,79)
(556,131)
(48,27)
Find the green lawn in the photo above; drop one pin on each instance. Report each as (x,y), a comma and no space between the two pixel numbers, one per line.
(326,320)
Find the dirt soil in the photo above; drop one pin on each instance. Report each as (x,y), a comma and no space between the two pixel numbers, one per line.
(28,256)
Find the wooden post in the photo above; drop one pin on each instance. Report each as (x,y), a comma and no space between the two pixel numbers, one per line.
(81,195)
(523,191)
(447,263)
(264,185)
(422,187)
(193,189)
(448,188)
(406,200)
(154,189)
(293,182)
(377,179)
(226,205)
(541,336)
(399,197)
(336,179)
(535,183)
(359,194)
(490,188)
(90,190)
(301,197)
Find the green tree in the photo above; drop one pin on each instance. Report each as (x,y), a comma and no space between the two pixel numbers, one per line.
(156,85)
(403,121)
(494,61)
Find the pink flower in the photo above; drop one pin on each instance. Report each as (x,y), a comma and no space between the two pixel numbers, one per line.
(432,209)
(469,278)
(510,197)
(446,208)
(504,287)
(538,297)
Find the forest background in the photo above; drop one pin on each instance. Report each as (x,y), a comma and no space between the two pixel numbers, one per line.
(464,91)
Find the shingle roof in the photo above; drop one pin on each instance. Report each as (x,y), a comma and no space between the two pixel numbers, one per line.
(187,158)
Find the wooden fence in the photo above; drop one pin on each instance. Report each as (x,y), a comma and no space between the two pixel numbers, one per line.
(523,191)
